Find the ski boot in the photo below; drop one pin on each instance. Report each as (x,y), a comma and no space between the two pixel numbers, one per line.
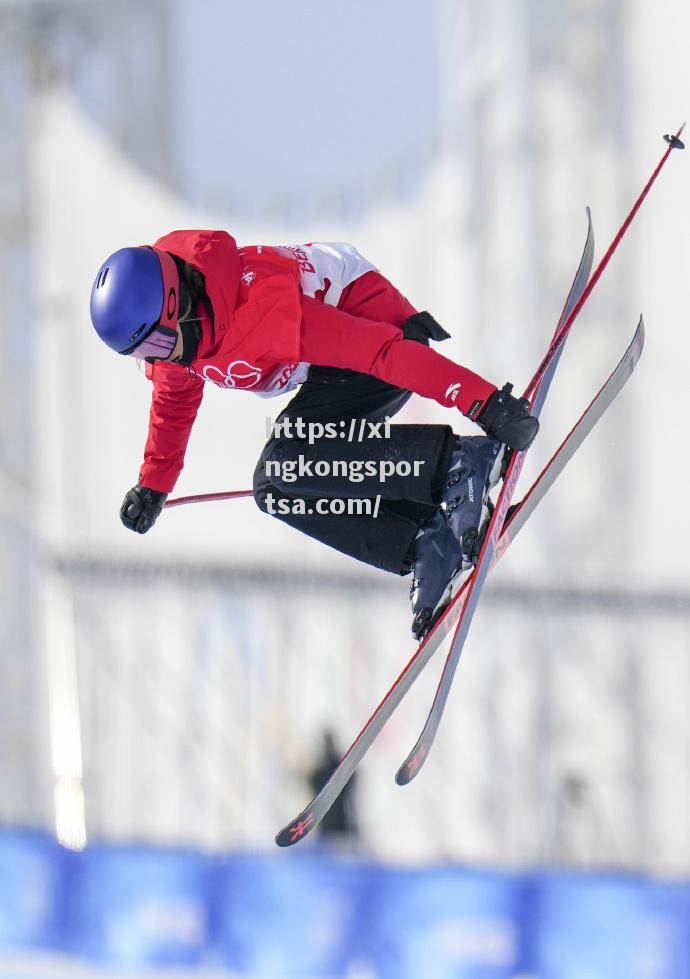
(437,560)
(449,543)
(476,466)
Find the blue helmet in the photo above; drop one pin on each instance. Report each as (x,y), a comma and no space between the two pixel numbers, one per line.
(134,302)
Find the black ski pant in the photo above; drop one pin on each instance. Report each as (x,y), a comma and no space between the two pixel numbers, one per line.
(354,404)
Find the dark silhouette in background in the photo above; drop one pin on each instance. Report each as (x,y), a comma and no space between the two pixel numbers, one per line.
(340,822)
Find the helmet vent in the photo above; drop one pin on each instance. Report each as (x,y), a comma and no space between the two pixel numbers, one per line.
(102,276)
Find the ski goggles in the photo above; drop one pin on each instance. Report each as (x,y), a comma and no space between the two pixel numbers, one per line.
(160,341)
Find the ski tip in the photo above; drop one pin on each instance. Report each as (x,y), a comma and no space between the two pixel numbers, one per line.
(411,766)
(296,831)
(400,776)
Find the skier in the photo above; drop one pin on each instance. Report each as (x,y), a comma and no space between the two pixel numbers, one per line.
(320,317)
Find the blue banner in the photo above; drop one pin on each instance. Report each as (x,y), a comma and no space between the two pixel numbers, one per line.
(291,914)
(34,892)
(615,927)
(140,905)
(449,923)
(320,915)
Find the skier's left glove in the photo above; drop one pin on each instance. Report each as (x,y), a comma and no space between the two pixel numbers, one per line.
(507,419)
(141,508)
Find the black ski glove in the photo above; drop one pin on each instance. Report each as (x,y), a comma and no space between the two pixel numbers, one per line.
(507,419)
(141,507)
(422,327)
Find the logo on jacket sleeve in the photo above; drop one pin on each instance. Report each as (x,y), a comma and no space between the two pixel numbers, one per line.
(452,391)
(239,374)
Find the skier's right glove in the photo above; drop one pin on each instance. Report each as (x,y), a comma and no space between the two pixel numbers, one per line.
(507,419)
(141,507)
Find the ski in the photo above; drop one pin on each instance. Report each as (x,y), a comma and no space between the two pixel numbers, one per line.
(319,806)
(536,392)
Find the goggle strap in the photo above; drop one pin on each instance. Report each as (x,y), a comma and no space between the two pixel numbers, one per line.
(171,290)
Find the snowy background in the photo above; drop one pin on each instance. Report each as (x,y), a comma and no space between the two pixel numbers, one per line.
(172,690)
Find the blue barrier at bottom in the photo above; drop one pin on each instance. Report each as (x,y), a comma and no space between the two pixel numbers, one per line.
(315,914)
(291,915)
(140,905)
(447,923)
(615,927)
(34,876)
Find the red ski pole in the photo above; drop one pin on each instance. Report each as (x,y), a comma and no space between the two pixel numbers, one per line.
(207,497)
(674,142)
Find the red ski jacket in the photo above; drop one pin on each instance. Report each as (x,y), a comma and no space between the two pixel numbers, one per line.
(276,311)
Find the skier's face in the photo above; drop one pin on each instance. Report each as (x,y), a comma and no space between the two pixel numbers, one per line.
(177,349)
(163,343)
(158,345)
